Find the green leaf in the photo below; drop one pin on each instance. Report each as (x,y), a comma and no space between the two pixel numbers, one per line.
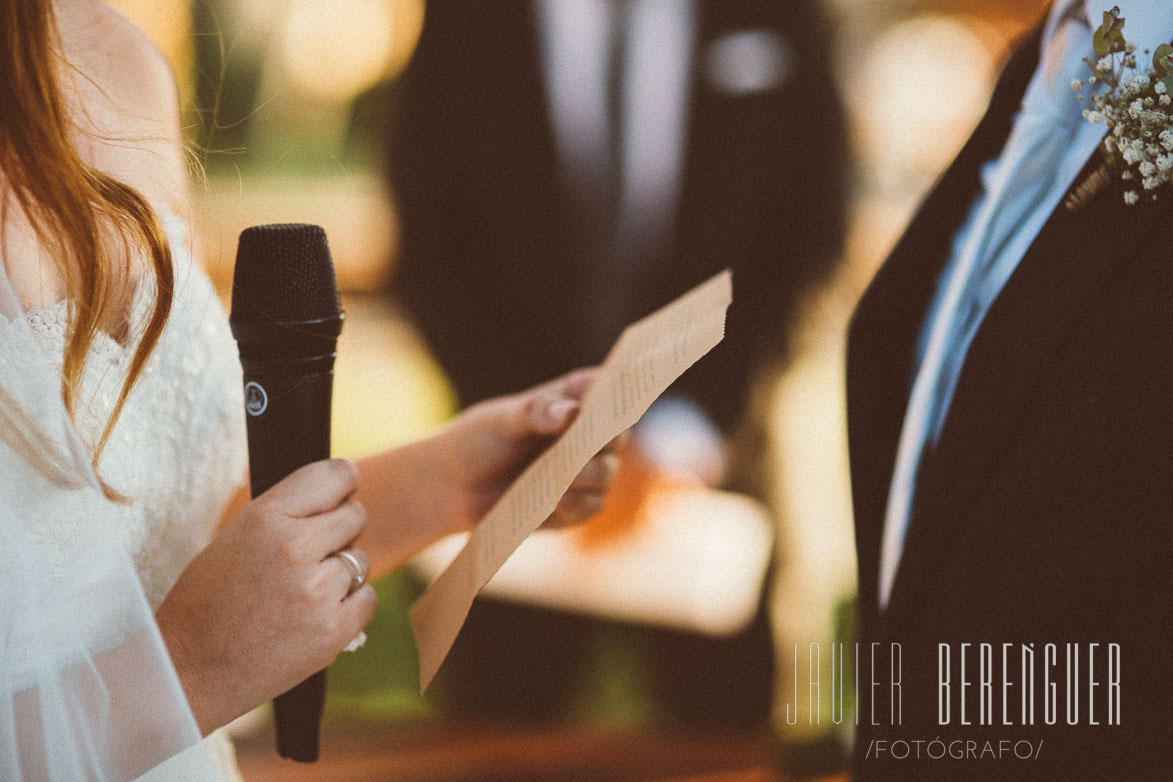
(1100,43)
(1113,20)
(1108,38)
(1163,59)
(1168,82)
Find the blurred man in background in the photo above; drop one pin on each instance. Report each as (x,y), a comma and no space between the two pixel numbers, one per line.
(562,168)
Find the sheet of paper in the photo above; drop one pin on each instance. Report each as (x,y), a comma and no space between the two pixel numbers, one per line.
(649,355)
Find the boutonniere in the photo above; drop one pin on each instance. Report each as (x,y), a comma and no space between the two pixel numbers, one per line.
(1137,109)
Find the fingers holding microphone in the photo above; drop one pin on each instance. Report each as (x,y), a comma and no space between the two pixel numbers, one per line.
(275,596)
(332,519)
(358,565)
(346,567)
(346,564)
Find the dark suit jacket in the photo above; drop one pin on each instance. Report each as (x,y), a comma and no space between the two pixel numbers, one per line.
(493,248)
(1045,512)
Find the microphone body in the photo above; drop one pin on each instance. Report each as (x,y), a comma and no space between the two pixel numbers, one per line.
(286,318)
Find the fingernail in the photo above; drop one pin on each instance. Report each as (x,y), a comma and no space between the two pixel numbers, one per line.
(559,411)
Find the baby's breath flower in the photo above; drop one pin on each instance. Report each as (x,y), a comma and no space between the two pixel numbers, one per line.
(1134,106)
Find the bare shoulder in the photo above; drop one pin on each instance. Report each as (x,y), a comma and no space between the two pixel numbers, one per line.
(123,96)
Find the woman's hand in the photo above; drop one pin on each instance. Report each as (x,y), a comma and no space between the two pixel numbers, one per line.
(418,493)
(265,605)
(489,445)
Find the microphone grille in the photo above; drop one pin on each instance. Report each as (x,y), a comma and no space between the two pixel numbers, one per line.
(284,273)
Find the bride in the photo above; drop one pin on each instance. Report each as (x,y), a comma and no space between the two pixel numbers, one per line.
(144,603)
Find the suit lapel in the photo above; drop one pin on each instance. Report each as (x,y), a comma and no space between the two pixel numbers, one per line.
(1071,260)
(892,312)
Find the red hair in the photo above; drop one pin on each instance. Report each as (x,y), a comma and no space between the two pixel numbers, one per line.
(88,221)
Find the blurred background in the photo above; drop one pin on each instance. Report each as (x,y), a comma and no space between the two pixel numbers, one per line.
(734,575)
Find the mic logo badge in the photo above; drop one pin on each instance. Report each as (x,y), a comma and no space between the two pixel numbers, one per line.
(255,398)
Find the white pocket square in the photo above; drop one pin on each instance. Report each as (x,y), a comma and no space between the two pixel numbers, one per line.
(747,61)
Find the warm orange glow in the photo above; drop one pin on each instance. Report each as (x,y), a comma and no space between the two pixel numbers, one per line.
(923,85)
(353,209)
(336,50)
(627,503)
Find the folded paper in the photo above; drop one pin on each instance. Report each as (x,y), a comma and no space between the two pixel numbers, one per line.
(648,357)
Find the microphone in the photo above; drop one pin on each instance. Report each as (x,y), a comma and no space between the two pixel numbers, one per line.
(286,317)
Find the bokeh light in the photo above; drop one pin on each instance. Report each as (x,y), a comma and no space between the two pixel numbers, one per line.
(334,50)
(922,87)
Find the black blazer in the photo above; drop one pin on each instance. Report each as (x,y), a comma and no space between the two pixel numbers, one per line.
(492,247)
(1045,512)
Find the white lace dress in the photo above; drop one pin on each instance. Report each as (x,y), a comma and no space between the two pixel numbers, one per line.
(178,451)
